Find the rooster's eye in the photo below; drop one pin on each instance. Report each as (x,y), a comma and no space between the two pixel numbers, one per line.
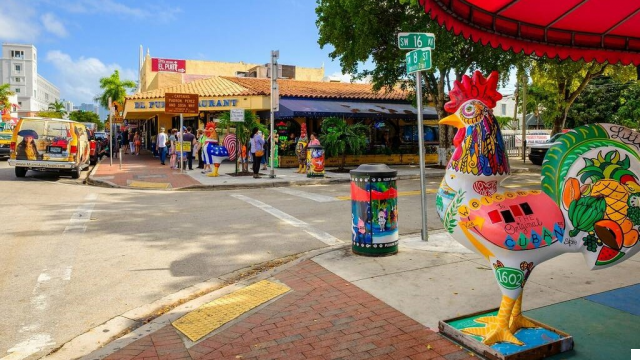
(471,112)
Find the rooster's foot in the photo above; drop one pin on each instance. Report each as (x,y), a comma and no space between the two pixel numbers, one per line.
(493,334)
(489,320)
(520,322)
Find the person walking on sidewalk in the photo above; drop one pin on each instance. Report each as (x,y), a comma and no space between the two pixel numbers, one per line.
(257,151)
(137,142)
(188,137)
(200,148)
(173,139)
(125,142)
(132,144)
(161,145)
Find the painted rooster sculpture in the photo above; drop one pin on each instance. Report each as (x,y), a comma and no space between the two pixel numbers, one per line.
(589,203)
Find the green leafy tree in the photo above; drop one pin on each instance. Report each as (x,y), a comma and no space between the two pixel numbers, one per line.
(4,96)
(115,88)
(340,138)
(598,103)
(58,107)
(87,117)
(363,31)
(243,129)
(50,114)
(629,111)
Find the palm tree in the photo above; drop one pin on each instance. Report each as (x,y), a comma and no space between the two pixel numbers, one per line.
(57,106)
(113,88)
(4,96)
(339,138)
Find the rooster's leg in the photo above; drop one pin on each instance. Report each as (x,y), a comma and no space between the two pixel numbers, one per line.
(498,331)
(518,320)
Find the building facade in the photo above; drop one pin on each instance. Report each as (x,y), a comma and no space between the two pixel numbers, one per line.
(19,68)
(87,108)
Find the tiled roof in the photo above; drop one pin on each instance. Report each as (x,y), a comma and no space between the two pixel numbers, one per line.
(320,90)
(237,86)
(209,87)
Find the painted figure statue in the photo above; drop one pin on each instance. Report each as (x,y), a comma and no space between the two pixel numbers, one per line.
(301,149)
(214,153)
(589,203)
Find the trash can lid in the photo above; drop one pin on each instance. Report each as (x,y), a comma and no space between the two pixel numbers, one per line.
(379,170)
(314,146)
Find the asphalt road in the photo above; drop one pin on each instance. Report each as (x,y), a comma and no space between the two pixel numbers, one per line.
(75,256)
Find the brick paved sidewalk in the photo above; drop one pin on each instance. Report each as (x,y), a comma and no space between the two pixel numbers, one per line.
(142,171)
(323,317)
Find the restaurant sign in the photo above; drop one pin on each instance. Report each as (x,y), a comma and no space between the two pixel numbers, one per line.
(168,65)
(213,103)
(177,103)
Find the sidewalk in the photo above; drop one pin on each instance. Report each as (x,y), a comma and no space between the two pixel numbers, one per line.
(145,172)
(344,306)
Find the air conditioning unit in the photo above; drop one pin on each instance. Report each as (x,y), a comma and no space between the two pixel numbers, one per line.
(241,74)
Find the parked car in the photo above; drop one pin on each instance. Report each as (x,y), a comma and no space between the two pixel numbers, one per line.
(5,143)
(46,144)
(538,151)
(101,135)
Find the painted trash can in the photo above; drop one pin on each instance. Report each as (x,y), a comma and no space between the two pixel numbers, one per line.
(315,161)
(374,210)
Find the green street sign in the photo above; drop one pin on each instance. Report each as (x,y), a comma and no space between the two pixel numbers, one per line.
(418,60)
(409,41)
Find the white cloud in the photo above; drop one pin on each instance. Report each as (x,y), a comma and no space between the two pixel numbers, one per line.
(17,22)
(79,79)
(53,25)
(347,78)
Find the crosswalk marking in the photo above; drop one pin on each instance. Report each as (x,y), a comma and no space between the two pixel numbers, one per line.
(306,195)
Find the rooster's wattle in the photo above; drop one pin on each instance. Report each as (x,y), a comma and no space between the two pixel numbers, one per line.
(587,203)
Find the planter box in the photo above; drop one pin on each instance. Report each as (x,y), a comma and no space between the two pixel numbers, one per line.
(430,158)
(287,161)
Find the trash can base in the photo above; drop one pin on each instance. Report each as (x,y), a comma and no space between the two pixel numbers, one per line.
(374,254)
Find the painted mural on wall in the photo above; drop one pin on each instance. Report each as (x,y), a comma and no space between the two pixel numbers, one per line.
(589,203)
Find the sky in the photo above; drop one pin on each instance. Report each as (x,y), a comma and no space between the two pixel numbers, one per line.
(80,41)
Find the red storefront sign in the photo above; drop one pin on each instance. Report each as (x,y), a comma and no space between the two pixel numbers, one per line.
(168,65)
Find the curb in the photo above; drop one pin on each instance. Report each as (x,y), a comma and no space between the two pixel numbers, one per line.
(100,183)
(134,324)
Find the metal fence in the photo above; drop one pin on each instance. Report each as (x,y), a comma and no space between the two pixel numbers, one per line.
(513,151)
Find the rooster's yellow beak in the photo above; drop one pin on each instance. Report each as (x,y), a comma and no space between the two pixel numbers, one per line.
(452,120)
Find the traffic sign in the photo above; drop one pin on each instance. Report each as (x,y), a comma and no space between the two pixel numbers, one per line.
(237,115)
(418,60)
(410,41)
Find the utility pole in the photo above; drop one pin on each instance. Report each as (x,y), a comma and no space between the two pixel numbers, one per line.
(524,115)
(275,106)
(423,195)
(111,111)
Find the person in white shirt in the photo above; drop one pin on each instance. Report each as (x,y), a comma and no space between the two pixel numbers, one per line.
(161,145)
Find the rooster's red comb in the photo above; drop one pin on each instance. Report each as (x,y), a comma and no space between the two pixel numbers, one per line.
(477,88)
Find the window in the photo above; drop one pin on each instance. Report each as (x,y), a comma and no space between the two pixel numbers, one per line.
(20,103)
(17,91)
(18,68)
(18,79)
(17,54)
(504,109)
(46,97)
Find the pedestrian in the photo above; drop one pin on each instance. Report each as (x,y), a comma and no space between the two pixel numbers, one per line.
(191,139)
(161,145)
(154,149)
(115,141)
(137,142)
(257,151)
(314,139)
(132,144)
(125,142)
(201,140)
(172,151)
(265,157)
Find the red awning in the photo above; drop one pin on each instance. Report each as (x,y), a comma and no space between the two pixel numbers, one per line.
(601,30)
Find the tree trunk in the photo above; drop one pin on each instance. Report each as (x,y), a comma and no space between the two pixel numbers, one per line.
(343,161)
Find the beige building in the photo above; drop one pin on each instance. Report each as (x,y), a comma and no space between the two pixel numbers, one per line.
(163,73)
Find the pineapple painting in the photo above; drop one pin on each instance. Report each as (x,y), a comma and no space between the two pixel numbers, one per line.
(598,203)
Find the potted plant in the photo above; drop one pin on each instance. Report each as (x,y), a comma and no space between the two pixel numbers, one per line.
(338,138)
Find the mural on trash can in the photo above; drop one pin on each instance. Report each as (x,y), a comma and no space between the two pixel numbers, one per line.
(589,203)
(315,161)
(374,211)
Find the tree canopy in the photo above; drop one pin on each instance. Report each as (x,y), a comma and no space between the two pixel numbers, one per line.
(115,88)
(87,117)
(50,114)
(4,96)
(58,107)
(339,138)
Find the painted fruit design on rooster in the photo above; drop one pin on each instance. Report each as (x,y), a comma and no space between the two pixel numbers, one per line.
(589,201)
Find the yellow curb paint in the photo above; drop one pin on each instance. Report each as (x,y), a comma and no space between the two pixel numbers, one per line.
(208,317)
(149,185)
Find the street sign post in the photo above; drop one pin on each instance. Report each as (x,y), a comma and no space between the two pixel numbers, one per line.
(418,60)
(410,41)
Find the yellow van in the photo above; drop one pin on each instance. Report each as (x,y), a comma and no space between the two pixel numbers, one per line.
(46,144)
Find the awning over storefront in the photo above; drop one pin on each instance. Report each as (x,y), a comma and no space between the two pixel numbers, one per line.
(605,31)
(325,108)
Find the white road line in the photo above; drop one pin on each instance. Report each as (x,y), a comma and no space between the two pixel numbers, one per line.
(51,282)
(318,234)
(306,195)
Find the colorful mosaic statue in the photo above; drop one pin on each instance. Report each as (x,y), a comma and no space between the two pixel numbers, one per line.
(589,203)
(214,153)
(301,149)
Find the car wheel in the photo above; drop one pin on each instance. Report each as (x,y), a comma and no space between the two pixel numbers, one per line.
(21,172)
(75,174)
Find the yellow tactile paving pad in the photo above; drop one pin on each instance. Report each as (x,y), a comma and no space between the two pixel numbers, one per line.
(148,185)
(208,317)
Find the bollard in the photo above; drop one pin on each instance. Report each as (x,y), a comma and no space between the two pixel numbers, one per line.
(374,210)
(315,161)
(120,157)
